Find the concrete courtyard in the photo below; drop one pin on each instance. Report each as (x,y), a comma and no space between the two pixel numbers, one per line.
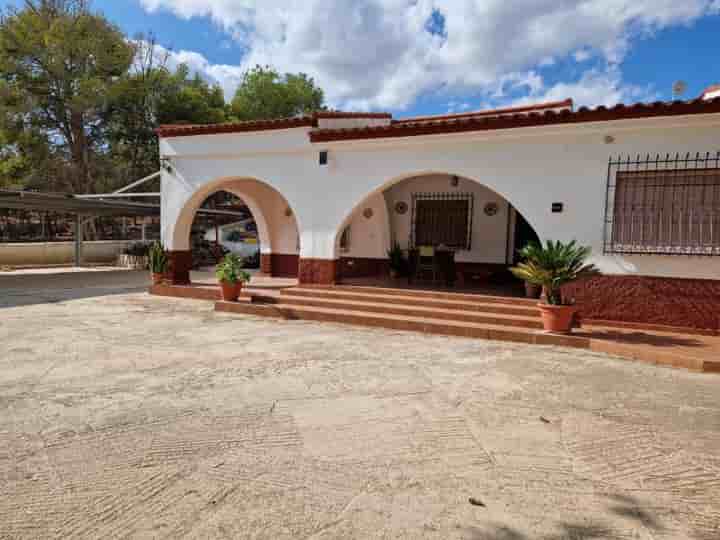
(129,416)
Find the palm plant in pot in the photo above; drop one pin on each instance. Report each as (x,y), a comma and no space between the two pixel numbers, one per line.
(157,262)
(552,266)
(231,276)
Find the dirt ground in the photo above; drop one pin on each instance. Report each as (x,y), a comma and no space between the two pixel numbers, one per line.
(125,415)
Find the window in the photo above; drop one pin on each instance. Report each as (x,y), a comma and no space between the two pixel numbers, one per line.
(664,206)
(442,218)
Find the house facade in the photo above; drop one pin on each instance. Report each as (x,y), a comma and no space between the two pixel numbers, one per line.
(332,192)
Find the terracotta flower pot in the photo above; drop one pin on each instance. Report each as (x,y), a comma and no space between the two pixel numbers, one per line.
(230,291)
(532,290)
(157,278)
(557,319)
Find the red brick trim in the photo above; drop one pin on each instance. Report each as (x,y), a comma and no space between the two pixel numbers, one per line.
(266,263)
(284,265)
(533,119)
(318,271)
(677,302)
(179,266)
(352,267)
(197,292)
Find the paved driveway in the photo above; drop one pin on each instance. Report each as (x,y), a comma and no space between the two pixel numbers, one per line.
(124,415)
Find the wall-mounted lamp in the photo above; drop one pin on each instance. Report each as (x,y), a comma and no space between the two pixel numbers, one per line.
(323,157)
(455,181)
(609,139)
(166,164)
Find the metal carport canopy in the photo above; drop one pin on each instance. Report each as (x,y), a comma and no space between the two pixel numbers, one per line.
(70,204)
(81,207)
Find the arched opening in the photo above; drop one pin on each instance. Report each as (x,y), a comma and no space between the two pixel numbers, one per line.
(468,232)
(224,224)
(243,215)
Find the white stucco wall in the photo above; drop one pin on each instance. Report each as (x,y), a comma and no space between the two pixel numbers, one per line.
(489,233)
(530,167)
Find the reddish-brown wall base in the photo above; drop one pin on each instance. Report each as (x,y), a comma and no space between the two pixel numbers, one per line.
(179,266)
(352,267)
(693,303)
(318,271)
(266,263)
(283,265)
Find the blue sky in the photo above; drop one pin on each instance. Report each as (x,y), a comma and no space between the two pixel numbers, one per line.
(430,56)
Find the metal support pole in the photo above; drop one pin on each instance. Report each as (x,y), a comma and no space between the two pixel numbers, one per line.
(78,240)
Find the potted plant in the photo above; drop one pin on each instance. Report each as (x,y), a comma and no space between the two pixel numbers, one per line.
(396,260)
(157,262)
(552,266)
(231,276)
(134,256)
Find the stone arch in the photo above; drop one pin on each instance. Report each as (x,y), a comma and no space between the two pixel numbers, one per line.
(376,199)
(277,225)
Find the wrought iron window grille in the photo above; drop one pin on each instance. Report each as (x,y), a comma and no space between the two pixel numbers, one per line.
(457,212)
(663,205)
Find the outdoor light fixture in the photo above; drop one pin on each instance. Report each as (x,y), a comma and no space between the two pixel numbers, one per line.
(454,181)
(166,164)
(557,207)
(609,139)
(323,157)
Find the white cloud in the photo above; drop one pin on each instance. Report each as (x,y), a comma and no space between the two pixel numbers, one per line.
(595,87)
(379,53)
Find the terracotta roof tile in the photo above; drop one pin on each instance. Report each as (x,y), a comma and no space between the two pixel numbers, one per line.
(184,130)
(548,117)
(536,107)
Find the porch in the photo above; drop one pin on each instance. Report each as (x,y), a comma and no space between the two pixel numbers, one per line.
(474,313)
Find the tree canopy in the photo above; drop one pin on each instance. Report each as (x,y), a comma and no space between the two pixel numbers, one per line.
(79,100)
(265,94)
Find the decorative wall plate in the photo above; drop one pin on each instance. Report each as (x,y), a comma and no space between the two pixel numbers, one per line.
(491,209)
(368,213)
(401,207)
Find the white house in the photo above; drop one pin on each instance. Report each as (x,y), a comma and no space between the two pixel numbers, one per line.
(332,192)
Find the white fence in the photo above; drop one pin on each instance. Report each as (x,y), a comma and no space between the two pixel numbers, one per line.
(48,253)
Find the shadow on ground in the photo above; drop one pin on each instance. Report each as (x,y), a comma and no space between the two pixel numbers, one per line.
(624,506)
(31,289)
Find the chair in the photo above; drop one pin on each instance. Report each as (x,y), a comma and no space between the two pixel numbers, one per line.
(426,262)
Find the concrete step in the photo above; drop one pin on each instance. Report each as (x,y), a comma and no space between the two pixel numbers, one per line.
(482,304)
(438,295)
(404,322)
(480,317)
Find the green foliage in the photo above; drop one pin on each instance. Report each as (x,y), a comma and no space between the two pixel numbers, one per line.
(231,270)
(80,102)
(157,258)
(58,64)
(190,99)
(265,94)
(397,258)
(554,265)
